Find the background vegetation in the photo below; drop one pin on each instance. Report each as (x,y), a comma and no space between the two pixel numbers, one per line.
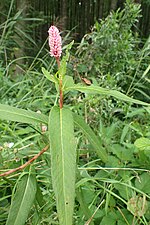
(114,54)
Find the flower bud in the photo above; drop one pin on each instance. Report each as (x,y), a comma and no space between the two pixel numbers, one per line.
(55,42)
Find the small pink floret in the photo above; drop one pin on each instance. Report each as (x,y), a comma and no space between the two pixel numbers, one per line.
(55,42)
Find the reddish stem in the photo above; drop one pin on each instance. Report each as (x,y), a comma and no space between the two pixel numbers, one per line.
(58,61)
(26,164)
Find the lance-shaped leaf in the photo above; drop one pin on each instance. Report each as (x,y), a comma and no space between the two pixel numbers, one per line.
(63,162)
(22,200)
(90,135)
(63,64)
(104,91)
(21,115)
(49,76)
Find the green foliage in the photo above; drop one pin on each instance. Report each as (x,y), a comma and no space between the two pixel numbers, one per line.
(21,115)
(111,53)
(23,199)
(93,89)
(142,143)
(108,174)
(93,139)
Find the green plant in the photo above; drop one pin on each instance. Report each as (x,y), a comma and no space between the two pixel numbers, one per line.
(16,37)
(112,55)
(61,138)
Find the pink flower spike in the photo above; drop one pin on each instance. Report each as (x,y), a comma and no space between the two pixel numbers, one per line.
(55,42)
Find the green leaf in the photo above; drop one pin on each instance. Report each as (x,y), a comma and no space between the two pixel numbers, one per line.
(63,64)
(146,71)
(142,143)
(83,204)
(93,139)
(135,112)
(103,91)
(22,200)
(67,82)
(63,162)
(110,218)
(142,182)
(68,47)
(81,68)
(124,192)
(39,197)
(49,76)
(124,154)
(21,115)
(125,98)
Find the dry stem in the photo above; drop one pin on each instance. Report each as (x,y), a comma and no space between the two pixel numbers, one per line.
(26,164)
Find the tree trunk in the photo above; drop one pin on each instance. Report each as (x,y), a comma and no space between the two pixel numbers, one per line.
(63,15)
(2,9)
(113,5)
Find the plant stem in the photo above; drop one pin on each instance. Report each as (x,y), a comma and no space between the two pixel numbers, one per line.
(60,85)
(61,94)
(26,164)
(58,61)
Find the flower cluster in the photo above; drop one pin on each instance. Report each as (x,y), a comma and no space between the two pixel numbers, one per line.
(55,42)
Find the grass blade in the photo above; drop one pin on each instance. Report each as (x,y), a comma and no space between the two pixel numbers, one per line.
(93,139)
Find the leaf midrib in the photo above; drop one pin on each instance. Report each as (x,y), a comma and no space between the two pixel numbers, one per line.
(31,117)
(26,188)
(63,164)
(104,91)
